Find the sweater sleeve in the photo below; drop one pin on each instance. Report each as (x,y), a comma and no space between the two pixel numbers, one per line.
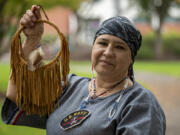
(12,115)
(141,119)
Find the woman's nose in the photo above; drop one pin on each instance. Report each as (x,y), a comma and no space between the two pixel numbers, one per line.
(108,51)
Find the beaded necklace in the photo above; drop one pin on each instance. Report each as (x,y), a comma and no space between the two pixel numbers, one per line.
(93,87)
(113,110)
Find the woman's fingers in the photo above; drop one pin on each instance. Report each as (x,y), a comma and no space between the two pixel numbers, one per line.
(26,21)
(31,16)
(23,21)
(36,10)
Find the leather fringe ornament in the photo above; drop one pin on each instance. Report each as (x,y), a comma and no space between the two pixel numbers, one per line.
(38,90)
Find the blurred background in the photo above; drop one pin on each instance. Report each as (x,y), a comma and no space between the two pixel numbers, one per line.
(157,65)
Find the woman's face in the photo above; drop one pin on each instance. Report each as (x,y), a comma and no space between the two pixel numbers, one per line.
(111,56)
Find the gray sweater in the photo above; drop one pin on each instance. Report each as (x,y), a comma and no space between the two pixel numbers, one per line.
(137,113)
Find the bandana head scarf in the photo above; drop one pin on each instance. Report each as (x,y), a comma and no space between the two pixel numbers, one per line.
(123,28)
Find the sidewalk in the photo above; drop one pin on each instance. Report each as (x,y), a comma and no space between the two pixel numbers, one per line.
(167,91)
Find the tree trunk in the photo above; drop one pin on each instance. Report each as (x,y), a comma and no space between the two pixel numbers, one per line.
(158,41)
(2,26)
(158,45)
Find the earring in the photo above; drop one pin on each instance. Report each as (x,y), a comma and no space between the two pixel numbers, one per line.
(93,85)
(92,72)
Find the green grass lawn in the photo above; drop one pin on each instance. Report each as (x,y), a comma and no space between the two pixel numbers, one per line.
(4,76)
(166,68)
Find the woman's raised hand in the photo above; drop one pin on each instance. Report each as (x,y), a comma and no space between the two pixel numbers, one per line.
(32,30)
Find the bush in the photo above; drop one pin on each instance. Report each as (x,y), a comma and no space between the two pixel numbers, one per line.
(171,43)
(171,46)
(147,48)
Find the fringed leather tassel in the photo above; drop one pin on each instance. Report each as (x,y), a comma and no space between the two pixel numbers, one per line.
(38,90)
(65,60)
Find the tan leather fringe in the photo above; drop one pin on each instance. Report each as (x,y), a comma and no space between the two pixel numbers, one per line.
(38,90)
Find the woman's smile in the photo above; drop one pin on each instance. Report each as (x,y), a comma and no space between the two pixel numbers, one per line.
(106,62)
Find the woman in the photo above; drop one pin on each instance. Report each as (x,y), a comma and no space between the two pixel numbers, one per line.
(113,103)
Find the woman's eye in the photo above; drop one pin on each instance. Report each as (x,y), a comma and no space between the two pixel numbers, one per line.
(102,43)
(120,47)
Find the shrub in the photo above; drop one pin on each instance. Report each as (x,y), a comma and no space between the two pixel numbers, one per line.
(171,43)
(171,46)
(147,48)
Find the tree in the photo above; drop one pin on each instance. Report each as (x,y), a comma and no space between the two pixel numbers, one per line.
(158,9)
(12,10)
